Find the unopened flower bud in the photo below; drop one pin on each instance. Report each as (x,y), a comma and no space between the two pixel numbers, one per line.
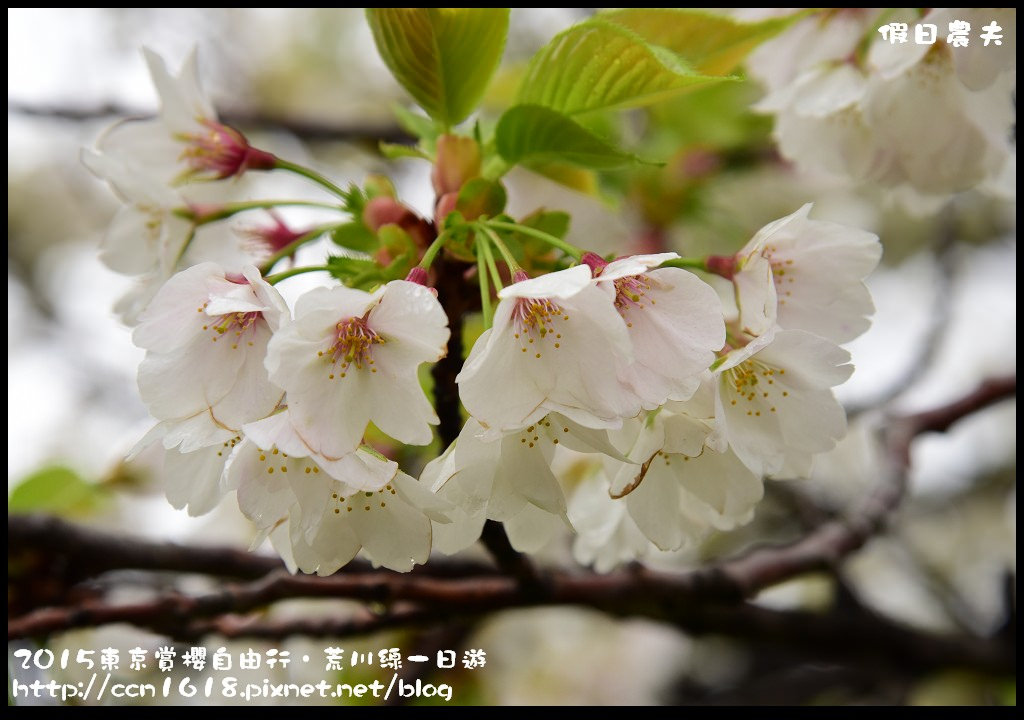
(458,160)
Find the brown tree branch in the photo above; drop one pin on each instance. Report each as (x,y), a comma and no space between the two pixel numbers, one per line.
(246,120)
(707,600)
(837,635)
(450,286)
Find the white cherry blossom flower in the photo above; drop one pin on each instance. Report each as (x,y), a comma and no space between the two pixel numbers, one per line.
(557,345)
(206,338)
(329,520)
(351,357)
(499,479)
(674,321)
(185,141)
(683,488)
(146,235)
(508,479)
(817,269)
(606,534)
(195,480)
(921,120)
(944,137)
(774,404)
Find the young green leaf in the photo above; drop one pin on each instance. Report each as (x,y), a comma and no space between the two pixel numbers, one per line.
(355,236)
(55,489)
(712,44)
(481,198)
(531,132)
(444,57)
(600,65)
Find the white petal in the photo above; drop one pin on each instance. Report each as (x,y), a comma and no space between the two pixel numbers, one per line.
(263,498)
(495,385)
(362,471)
(393,532)
(526,466)
(756,296)
(457,535)
(675,335)
(419,495)
(654,506)
(182,103)
(719,488)
(175,315)
(194,432)
(276,431)
(684,435)
(333,545)
(633,265)
(562,285)
(411,314)
(808,361)
(193,480)
(533,528)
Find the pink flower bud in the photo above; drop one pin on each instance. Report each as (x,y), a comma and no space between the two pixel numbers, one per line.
(458,160)
(445,204)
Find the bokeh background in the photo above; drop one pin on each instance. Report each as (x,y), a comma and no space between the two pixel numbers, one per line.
(307,84)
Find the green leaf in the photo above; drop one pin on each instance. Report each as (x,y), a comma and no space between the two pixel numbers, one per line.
(711,44)
(459,236)
(396,241)
(535,254)
(417,125)
(571,176)
(599,65)
(55,489)
(480,197)
(395,151)
(355,236)
(534,133)
(444,57)
(356,272)
(552,222)
(354,200)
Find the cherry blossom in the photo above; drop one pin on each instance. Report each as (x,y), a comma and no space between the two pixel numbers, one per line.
(774,404)
(351,357)
(817,269)
(206,336)
(185,141)
(508,479)
(921,119)
(328,520)
(674,321)
(557,345)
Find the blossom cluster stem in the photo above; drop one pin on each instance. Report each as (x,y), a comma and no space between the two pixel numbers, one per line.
(485,286)
(568,248)
(313,175)
(502,248)
(204,216)
(285,274)
(289,249)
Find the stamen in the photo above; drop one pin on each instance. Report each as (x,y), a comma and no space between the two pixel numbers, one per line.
(353,344)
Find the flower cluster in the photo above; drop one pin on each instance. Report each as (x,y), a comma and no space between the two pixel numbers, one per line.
(632,364)
(924,120)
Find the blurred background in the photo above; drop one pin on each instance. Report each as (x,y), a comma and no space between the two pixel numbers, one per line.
(307,84)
